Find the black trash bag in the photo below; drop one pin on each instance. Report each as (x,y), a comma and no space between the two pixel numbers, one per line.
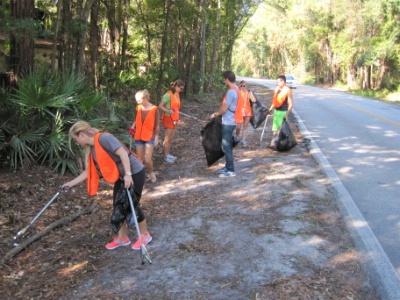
(258,113)
(122,210)
(211,139)
(284,139)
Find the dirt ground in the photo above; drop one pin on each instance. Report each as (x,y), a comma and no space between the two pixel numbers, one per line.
(271,232)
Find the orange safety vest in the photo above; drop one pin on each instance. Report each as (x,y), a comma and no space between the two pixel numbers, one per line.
(246,100)
(108,167)
(280,96)
(239,105)
(145,128)
(175,104)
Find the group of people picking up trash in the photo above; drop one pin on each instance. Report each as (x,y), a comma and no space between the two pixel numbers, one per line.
(111,159)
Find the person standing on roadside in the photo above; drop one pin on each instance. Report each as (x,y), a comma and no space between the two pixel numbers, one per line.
(170,106)
(282,101)
(106,155)
(145,129)
(248,97)
(231,111)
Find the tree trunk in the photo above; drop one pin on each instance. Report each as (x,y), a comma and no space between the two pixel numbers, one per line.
(191,56)
(125,22)
(366,78)
(66,50)
(382,72)
(164,42)
(203,46)
(145,23)
(351,78)
(54,47)
(181,46)
(114,31)
(214,54)
(84,19)
(21,41)
(329,65)
(94,32)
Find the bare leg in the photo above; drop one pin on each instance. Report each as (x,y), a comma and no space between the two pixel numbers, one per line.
(140,152)
(246,122)
(169,136)
(122,231)
(143,227)
(148,158)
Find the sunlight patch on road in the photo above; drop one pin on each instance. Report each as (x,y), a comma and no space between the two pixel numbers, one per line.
(360,224)
(345,170)
(390,133)
(392,159)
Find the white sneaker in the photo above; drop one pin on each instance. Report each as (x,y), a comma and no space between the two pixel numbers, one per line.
(153,177)
(168,160)
(172,157)
(227,174)
(222,170)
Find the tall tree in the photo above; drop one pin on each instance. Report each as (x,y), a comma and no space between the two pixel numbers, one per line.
(22,37)
(215,52)
(164,42)
(203,46)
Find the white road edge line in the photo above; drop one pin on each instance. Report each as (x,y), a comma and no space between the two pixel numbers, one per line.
(382,275)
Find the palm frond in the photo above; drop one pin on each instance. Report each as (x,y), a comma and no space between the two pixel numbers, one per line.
(22,153)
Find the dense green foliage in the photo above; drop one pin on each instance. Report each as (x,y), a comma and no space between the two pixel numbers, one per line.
(36,117)
(84,59)
(356,43)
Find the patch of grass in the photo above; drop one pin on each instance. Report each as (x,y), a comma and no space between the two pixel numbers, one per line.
(382,94)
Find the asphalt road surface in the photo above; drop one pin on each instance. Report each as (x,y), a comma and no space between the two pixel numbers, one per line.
(360,138)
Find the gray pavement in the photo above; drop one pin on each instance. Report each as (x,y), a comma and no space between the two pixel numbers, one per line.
(382,273)
(381,270)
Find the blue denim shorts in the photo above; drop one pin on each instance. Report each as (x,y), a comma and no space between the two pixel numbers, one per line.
(142,143)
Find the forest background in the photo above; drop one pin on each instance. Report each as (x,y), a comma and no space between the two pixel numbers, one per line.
(64,60)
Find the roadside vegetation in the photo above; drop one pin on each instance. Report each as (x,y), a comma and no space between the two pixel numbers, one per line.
(66,60)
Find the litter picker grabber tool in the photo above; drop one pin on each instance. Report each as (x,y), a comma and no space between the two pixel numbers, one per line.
(144,254)
(23,230)
(186,115)
(265,125)
(130,142)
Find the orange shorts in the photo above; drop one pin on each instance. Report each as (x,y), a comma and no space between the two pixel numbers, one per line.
(169,123)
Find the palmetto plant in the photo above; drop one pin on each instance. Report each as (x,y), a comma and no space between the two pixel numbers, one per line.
(38,115)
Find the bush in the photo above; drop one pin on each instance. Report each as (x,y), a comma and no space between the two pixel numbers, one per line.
(38,114)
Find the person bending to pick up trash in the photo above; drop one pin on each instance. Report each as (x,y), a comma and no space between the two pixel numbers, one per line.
(282,101)
(170,106)
(231,111)
(104,153)
(145,129)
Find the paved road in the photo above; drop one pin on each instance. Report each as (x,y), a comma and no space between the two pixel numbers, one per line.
(360,138)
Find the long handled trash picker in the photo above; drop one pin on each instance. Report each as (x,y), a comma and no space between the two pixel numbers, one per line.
(144,254)
(189,116)
(265,125)
(23,230)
